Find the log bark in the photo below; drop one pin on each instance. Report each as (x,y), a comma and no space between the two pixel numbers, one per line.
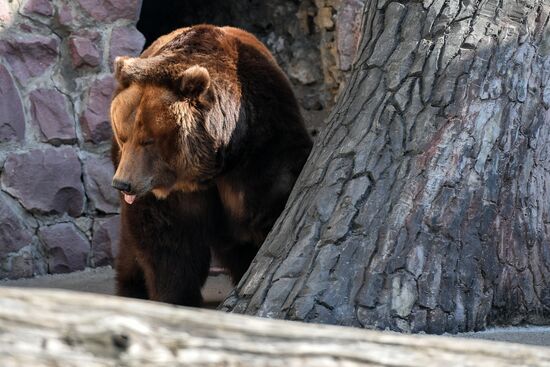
(424,204)
(45,328)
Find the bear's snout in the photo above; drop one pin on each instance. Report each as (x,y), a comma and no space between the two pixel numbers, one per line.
(122,185)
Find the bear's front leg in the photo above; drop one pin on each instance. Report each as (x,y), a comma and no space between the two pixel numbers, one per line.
(130,280)
(171,239)
(177,275)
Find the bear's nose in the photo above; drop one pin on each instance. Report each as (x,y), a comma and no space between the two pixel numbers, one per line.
(122,186)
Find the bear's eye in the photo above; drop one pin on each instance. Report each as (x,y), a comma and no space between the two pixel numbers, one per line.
(146,142)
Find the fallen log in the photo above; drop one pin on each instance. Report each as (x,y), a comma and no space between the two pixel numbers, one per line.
(60,328)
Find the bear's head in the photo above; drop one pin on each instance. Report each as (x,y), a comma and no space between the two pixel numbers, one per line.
(164,117)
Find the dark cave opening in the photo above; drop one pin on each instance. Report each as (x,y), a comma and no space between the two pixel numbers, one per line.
(159,17)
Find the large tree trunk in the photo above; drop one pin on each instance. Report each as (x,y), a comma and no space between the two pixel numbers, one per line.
(48,329)
(425,203)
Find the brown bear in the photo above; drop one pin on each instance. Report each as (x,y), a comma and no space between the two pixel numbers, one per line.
(208,142)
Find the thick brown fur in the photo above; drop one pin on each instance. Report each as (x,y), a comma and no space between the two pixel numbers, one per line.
(209,140)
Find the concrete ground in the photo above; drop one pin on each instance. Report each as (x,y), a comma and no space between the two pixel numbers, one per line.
(101,280)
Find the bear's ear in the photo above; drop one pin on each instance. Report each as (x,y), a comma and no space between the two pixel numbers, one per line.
(136,69)
(124,68)
(194,82)
(118,67)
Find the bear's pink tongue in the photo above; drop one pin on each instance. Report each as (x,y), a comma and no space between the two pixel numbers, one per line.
(129,198)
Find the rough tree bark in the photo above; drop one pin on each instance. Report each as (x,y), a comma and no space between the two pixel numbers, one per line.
(424,205)
(83,330)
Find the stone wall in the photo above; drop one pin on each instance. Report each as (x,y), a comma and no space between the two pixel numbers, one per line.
(58,212)
(313,40)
